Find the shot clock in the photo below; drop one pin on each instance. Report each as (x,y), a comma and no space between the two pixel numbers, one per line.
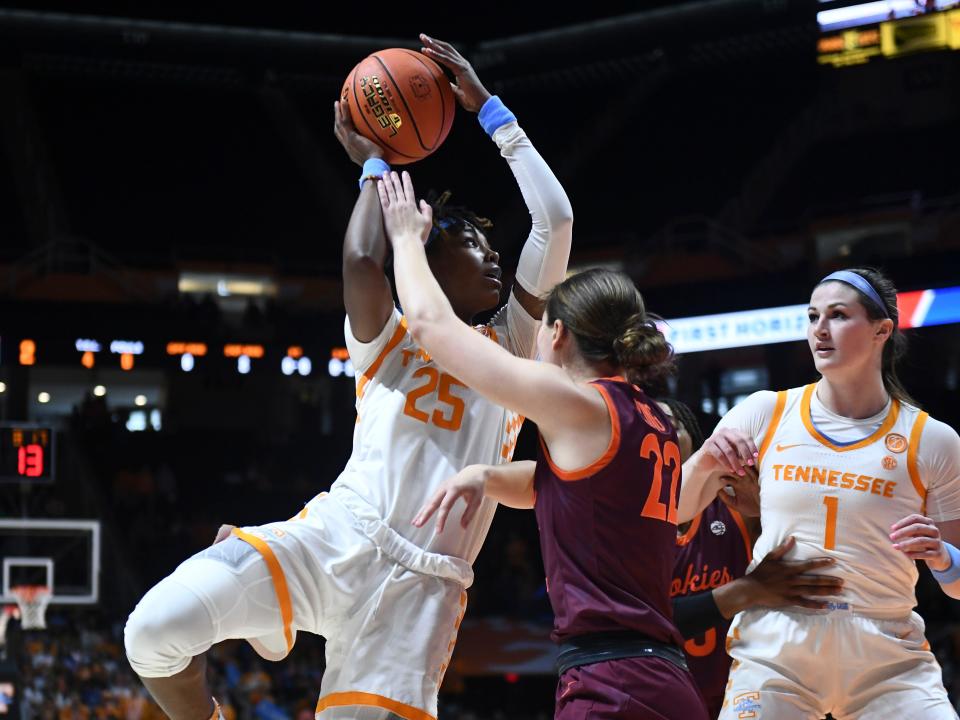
(26,453)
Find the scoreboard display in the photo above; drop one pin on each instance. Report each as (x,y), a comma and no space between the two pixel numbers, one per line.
(854,33)
(26,453)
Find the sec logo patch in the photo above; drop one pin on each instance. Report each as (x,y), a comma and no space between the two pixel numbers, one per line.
(717,527)
(889,462)
(896,443)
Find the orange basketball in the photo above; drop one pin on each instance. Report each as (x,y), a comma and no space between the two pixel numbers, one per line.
(402,101)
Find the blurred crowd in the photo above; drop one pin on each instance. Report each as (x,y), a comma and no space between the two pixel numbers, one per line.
(68,673)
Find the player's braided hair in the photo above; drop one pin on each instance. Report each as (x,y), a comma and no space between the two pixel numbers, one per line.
(685,417)
(448,217)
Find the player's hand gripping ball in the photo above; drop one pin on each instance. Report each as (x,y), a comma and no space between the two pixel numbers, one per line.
(402,101)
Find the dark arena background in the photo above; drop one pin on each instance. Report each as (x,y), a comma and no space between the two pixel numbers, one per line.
(172,208)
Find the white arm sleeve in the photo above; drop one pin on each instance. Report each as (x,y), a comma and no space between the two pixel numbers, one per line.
(543,260)
(751,416)
(938,462)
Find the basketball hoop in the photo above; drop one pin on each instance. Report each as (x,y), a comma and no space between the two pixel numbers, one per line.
(33,601)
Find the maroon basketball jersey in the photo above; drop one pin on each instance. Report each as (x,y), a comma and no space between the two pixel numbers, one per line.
(713,551)
(608,531)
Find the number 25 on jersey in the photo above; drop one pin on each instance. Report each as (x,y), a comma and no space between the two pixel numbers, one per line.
(449,417)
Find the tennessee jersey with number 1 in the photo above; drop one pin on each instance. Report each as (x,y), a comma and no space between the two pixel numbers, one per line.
(837,485)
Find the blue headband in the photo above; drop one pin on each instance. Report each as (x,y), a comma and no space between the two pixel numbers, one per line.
(438,226)
(860,283)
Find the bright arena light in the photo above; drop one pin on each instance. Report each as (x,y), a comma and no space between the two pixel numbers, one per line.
(304,366)
(43,397)
(140,400)
(99,391)
(186,362)
(335,367)
(243,364)
(288,365)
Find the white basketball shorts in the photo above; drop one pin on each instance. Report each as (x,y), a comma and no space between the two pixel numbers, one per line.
(390,611)
(800,665)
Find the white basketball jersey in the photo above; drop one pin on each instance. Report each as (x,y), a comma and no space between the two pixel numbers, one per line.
(840,499)
(418,425)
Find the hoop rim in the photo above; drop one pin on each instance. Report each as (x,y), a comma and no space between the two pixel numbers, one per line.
(32,600)
(29,593)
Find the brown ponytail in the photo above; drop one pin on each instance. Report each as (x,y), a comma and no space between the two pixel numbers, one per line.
(606,315)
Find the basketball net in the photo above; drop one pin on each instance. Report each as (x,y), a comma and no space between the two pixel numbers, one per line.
(32,601)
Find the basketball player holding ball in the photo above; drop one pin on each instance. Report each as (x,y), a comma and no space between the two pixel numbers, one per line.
(388,596)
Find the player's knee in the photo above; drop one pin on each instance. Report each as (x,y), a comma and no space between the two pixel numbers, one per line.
(141,636)
(165,630)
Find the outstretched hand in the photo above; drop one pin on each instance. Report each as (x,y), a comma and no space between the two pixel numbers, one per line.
(469,90)
(402,217)
(359,148)
(467,484)
(776,582)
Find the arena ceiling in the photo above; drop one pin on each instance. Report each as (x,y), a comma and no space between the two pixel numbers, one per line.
(172,132)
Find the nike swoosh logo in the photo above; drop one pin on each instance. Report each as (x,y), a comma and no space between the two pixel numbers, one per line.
(781,448)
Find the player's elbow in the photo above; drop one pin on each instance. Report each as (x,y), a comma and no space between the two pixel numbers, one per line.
(558,219)
(357,261)
(562,215)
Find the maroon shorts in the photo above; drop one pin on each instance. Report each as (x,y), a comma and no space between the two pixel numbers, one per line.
(647,688)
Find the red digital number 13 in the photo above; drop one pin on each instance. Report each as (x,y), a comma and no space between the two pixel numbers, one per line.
(30,460)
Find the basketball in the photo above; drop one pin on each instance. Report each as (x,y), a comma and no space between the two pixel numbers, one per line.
(402,101)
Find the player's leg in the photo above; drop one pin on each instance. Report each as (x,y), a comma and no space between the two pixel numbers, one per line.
(179,695)
(778,669)
(224,592)
(388,656)
(899,675)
